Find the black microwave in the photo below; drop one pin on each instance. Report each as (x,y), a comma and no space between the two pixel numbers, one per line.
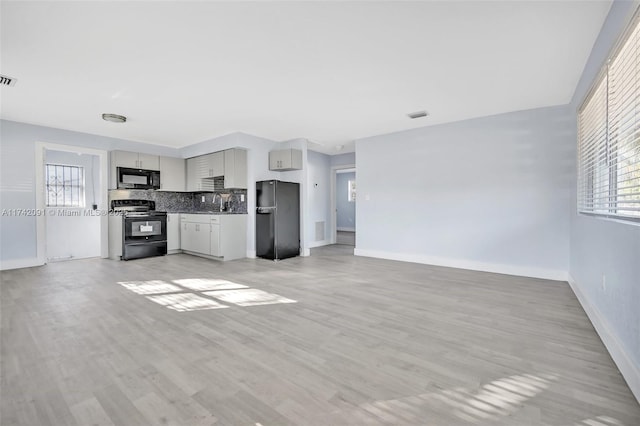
(138,178)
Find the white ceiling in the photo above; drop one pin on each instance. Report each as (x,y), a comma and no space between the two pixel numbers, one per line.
(331,72)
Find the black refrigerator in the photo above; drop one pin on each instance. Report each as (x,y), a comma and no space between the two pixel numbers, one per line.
(277,219)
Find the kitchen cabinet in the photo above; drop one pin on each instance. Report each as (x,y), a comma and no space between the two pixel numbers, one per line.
(172,174)
(285,159)
(132,160)
(195,233)
(173,233)
(235,169)
(208,166)
(135,160)
(202,169)
(230,164)
(221,237)
(215,236)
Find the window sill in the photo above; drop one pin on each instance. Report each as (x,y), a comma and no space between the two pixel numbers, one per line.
(610,218)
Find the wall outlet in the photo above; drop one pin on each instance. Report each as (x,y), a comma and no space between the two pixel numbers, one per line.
(604,282)
(203,198)
(242,198)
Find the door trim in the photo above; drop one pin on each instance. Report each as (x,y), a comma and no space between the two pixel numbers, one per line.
(334,217)
(41,223)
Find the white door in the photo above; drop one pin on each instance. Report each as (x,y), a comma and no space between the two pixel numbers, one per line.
(72,189)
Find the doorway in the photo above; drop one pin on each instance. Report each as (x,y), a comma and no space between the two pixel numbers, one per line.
(343,200)
(71,192)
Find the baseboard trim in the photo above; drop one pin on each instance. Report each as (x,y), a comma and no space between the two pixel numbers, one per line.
(5,265)
(621,358)
(319,243)
(547,274)
(346,229)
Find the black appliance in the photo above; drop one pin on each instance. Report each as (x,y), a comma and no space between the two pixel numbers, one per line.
(277,219)
(144,230)
(137,178)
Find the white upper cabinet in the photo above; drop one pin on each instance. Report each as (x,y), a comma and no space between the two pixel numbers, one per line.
(235,168)
(134,160)
(148,162)
(131,160)
(285,159)
(230,164)
(172,174)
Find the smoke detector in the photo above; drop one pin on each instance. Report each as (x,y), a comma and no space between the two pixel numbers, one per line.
(417,114)
(7,81)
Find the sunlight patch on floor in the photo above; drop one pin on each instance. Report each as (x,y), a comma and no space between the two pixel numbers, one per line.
(248,297)
(600,421)
(498,398)
(183,302)
(501,398)
(150,287)
(204,284)
(187,294)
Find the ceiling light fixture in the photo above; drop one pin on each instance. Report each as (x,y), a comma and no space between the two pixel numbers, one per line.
(417,114)
(115,118)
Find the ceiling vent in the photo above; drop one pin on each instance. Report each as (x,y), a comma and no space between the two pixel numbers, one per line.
(417,114)
(7,81)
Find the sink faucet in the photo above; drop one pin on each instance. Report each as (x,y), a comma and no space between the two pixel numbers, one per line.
(214,199)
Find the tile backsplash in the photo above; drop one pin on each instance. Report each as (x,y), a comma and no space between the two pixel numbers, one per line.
(188,202)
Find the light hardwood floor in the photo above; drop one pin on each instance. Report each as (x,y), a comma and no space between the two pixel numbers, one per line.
(346,238)
(367,342)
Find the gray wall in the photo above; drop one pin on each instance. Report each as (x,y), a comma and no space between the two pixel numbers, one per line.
(17,171)
(345,209)
(606,248)
(489,194)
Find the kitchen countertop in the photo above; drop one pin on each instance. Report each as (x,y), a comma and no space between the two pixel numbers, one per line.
(208,212)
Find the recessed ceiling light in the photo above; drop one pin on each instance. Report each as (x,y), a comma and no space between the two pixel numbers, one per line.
(115,118)
(417,114)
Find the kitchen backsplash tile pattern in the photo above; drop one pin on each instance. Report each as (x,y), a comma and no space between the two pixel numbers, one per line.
(228,200)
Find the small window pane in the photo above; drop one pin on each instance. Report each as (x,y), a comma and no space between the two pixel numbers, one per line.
(64,185)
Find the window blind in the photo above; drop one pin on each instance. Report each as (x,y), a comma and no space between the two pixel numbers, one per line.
(609,135)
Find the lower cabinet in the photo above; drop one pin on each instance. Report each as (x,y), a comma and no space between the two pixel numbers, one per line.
(173,233)
(218,236)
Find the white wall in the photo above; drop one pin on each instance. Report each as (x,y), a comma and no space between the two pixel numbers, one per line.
(18,245)
(345,209)
(347,159)
(606,249)
(70,236)
(319,181)
(488,194)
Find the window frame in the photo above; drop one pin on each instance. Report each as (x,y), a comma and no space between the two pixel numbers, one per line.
(81,187)
(593,170)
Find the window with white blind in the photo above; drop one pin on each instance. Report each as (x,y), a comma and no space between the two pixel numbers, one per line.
(609,135)
(64,185)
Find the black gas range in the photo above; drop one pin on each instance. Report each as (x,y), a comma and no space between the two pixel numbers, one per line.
(144,230)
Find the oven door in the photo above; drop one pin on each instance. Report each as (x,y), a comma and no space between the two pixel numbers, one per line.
(145,229)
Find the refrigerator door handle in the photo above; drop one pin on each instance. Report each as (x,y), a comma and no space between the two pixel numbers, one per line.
(264,210)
